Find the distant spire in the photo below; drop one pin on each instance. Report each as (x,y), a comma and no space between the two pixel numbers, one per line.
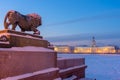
(93,42)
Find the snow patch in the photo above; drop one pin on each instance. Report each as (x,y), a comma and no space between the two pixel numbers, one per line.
(58,79)
(25,36)
(27,48)
(100,66)
(71,68)
(7,42)
(31,74)
(71,78)
(62,58)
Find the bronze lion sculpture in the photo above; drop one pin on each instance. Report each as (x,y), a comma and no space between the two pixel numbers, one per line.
(28,22)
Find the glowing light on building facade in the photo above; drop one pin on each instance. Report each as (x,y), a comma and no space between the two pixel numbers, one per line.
(92,49)
(102,50)
(64,49)
(88,50)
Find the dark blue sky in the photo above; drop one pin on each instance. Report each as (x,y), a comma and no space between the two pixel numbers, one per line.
(70,17)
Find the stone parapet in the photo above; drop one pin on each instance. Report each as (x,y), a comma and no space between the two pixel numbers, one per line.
(64,63)
(23,60)
(26,56)
(21,39)
(71,66)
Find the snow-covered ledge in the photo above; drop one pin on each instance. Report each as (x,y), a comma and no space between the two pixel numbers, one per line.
(27,48)
(31,74)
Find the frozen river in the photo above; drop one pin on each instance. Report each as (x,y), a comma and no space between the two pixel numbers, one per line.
(100,66)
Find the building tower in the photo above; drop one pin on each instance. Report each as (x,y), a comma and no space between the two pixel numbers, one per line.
(93,46)
(93,42)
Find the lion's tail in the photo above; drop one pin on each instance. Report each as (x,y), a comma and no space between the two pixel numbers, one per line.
(5,20)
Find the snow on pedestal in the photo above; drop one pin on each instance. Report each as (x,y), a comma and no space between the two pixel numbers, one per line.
(27,57)
(20,39)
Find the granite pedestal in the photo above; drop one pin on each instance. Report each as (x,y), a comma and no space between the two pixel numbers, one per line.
(21,39)
(26,56)
(28,63)
(71,66)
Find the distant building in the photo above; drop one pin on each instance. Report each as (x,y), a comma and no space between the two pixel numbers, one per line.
(87,49)
(118,51)
(63,49)
(95,49)
(82,50)
(93,42)
(101,50)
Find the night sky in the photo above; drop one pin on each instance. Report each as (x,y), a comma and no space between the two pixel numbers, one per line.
(70,17)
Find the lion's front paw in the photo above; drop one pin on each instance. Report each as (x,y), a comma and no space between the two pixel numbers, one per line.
(37,33)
